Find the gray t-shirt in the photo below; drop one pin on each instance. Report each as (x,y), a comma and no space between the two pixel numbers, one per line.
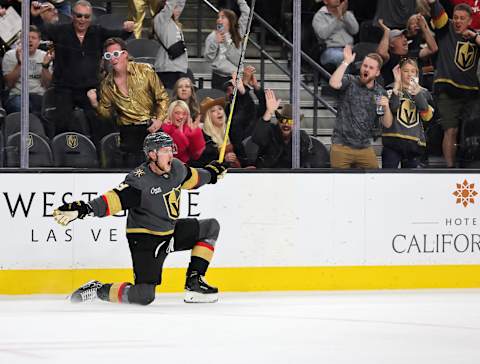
(35,71)
(356,116)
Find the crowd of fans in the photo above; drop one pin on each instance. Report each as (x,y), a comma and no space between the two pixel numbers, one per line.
(420,69)
(382,64)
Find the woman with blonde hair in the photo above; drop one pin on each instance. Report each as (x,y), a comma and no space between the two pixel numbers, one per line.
(214,128)
(186,134)
(184,90)
(411,105)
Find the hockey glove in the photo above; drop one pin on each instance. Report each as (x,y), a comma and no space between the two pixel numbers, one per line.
(216,169)
(65,214)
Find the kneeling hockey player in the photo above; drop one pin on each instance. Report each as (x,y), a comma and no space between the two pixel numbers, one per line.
(151,194)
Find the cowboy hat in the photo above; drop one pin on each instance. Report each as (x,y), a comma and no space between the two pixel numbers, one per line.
(285,112)
(208,102)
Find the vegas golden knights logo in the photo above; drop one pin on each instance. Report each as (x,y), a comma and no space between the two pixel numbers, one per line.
(172,202)
(465,55)
(407,113)
(29,141)
(72,141)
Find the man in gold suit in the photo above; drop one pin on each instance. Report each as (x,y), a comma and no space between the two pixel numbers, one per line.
(133,94)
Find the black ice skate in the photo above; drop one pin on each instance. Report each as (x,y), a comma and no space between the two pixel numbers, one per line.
(197,290)
(87,292)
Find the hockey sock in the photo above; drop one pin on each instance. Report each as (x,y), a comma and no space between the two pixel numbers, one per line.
(202,254)
(114,292)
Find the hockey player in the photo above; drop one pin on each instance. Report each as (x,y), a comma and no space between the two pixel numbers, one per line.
(151,194)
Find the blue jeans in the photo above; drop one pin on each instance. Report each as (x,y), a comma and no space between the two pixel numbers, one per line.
(13,104)
(333,56)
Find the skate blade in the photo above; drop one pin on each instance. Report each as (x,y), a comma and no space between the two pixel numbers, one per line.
(195,297)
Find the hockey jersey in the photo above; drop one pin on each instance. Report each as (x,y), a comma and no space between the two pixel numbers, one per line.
(457,60)
(152,201)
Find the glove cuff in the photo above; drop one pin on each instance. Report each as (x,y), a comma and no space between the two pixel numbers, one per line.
(213,175)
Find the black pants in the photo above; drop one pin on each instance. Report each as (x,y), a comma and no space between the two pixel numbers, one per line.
(218,81)
(66,99)
(149,251)
(131,144)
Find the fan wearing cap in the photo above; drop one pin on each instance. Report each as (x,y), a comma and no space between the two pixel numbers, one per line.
(151,195)
(186,133)
(214,128)
(394,46)
(275,140)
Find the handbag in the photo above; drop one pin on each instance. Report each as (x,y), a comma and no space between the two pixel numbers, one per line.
(175,50)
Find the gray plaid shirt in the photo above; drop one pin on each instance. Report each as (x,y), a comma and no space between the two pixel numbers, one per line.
(356,117)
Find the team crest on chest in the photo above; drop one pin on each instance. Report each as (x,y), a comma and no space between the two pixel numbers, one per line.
(465,55)
(172,202)
(407,113)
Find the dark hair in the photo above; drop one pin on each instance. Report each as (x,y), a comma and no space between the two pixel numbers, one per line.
(463,7)
(376,57)
(34,29)
(115,40)
(234,29)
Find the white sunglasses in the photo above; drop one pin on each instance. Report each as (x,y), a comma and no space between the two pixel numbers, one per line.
(115,54)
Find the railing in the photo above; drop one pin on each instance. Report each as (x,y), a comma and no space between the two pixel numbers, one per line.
(318,70)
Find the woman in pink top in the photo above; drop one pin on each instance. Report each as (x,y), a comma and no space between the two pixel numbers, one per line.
(186,134)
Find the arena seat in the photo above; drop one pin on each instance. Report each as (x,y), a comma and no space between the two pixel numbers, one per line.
(110,155)
(40,153)
(321,156)
(72,149)
(13,121)
(209,92)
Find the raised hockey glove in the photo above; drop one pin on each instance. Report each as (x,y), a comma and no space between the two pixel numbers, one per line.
(217,170)
(65,214)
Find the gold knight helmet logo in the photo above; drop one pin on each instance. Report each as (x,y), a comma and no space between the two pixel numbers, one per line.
(172,202)
(72,140)
(29,141)
(465,55)
(407,113)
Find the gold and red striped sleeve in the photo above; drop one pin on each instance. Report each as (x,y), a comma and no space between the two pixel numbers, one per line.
(191,180)
(112,202)
(441,20)
(427,115)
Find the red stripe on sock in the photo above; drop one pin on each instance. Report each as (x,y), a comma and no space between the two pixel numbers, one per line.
(205,245)
(106,203)
(120,291)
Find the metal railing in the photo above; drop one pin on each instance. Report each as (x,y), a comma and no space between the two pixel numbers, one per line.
(318,70)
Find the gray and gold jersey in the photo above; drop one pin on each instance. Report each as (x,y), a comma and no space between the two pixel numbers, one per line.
(152,201)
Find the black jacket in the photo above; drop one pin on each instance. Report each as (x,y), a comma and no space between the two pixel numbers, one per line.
(274,152)
(77,64)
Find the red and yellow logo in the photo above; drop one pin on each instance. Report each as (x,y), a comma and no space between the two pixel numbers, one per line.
(465,193)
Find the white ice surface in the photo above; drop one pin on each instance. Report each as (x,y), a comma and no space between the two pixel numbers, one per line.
(388,327)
